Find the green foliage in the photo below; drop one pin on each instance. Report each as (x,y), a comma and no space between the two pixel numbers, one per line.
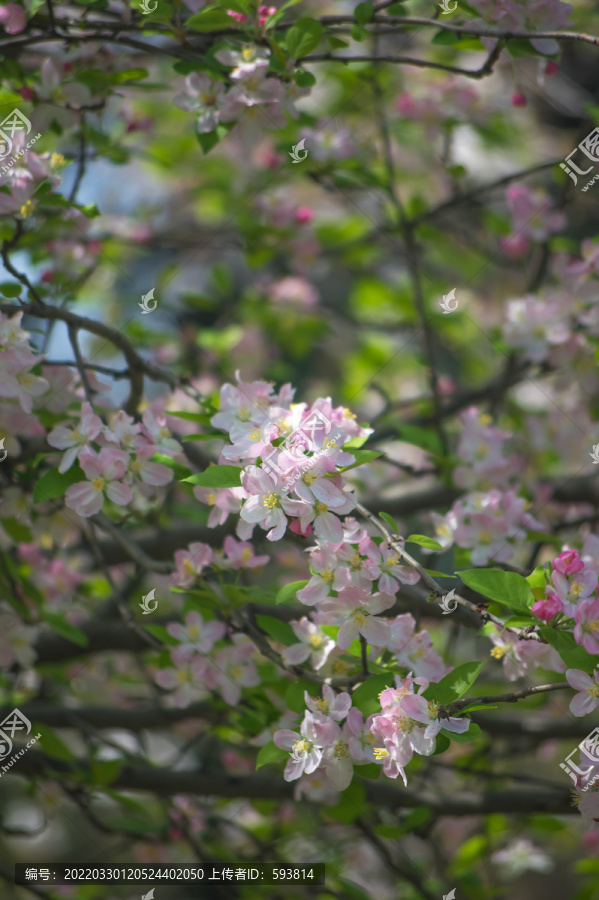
(53,484)
(303,37)
(217,477)
(507,588)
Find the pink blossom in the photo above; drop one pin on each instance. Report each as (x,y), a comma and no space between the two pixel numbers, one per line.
(268,505)
(393,574)
(549,607)
(361,740)
(586,631)
(306,747)
(354,609)
(241,555)
(75,440)
(104,472)
(185,681)
(577,587)
(13,17)
(313,643)
(336,760)
(222,500)
(332,705)
(233,669)
(534,325)
(568,562)
(195,636)
(148,472)
(190,563)
(415,650)
(587,699)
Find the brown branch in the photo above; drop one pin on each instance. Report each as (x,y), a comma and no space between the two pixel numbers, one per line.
(166,782)
(512,697)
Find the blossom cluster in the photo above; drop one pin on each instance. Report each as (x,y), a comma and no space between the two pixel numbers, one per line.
(407,724)
(571,592)
(251,91)
(17,359)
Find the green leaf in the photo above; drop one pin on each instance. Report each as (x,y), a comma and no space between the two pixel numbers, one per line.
(52,744)
(363,12)
(105,771)
(575,656)
(304,79)
(217,477)
(361,457)
(366,696)
(180,472)
(280,631)
(129,75)
(21,534)
(434,574)
(11,288)
(218,436)
(441,744)
(294,696)
(214,19)
(270,753)
(289,591)
(54,484)
(453,686)
(537,581)
(425,541)
(210,139)
(508,588)
(352,803)
(370,770)
(390,522)
(59,624)
(161,634)
(336,43)
(467,737)
(200,418)
(303,37)
(358,33)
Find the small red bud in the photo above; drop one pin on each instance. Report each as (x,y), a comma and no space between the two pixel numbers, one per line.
(551,68)
(26,93)
(518,99)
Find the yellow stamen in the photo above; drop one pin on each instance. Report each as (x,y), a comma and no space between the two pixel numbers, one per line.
(98,484)
(26,209)
(380,753)
(498,652)
(271,500)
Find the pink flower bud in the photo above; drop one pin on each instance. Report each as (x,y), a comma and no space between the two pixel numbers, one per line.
(518,99)
(303,215)
(551,68)
(26,93)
